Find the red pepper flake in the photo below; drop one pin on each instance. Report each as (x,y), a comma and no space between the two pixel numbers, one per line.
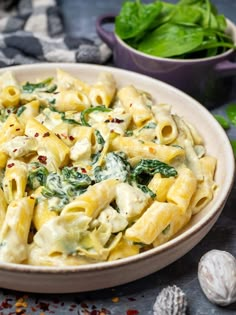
(47,134)
(42,159)
(130,105)
(14,150)
(63,135)
(71,138)
(31,197)
(58,136)
(83,170)
(132,312)
(10,165)
(11,125)
(17,129)
(36,134)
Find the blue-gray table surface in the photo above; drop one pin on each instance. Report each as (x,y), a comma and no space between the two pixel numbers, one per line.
(139,296)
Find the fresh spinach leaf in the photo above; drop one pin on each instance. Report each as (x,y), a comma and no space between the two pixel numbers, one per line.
(179,30)
(135,18)
(171,40)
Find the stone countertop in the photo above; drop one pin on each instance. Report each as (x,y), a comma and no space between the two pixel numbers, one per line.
(138,296)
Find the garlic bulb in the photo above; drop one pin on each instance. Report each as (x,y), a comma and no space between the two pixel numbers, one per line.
(217,277)
(170,301)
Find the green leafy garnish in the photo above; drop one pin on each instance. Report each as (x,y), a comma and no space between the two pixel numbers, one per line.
(89,110)
(222,121)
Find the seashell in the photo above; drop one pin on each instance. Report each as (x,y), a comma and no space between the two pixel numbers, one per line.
(217,277)
(170,301)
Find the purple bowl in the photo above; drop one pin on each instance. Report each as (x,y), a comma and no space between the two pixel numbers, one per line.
(210,80)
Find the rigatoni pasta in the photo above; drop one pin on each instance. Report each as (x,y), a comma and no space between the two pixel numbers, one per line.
(94,172)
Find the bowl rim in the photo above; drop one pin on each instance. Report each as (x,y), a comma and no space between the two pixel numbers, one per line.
(229,180)
(230,25)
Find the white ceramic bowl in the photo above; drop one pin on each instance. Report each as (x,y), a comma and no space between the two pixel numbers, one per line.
(108,274)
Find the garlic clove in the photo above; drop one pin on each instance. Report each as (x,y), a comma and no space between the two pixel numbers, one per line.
(217,277)
(170,301)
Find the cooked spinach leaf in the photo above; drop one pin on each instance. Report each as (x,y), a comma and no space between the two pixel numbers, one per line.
(146,190)
(20,110)
(37,177)
(89,110)
(116,166)
(151,167)
(43,86)
(75,178)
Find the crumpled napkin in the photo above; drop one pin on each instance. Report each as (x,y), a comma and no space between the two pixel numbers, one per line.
(32,31)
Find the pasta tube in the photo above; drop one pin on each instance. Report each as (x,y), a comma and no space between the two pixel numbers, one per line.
(182,190)
(135,104)
(103,91)
(96,198)
(205,188)
(54,152)
(15,180)
(10,96)
(154,220)
(15,230)
(147,149)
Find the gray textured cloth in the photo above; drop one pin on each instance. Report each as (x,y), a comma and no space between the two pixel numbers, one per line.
(32,31)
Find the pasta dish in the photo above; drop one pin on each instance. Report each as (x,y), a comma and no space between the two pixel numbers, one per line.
(93,172)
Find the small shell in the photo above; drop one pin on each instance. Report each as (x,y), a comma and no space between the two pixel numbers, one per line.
(217,277)
(170,301)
